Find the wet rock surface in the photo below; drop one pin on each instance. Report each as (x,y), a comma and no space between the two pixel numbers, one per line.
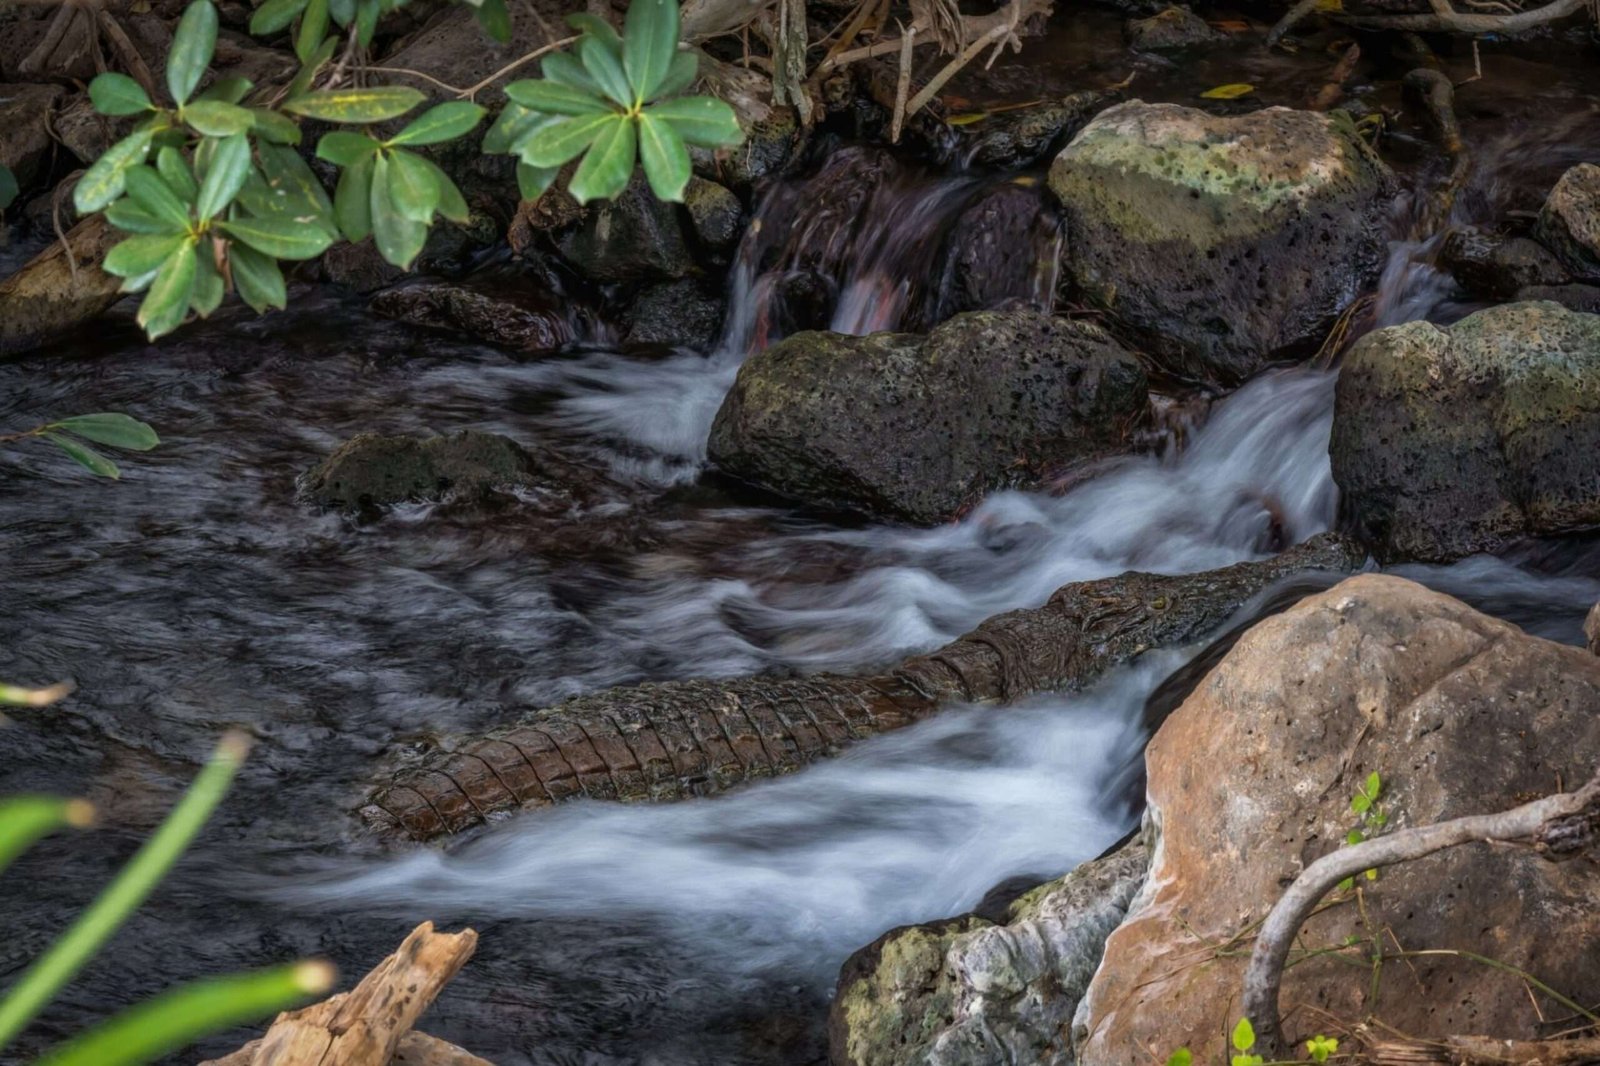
(679,313)
(1452,441)
(919,427)
(1569,222)
(632,238)
(512,313)
(1169,29)
(971,992)
(1026,136)
(1493,267)
(1225,242)
(993,250)
(1251,779)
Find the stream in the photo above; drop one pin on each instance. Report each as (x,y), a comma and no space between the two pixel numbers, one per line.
(198,593)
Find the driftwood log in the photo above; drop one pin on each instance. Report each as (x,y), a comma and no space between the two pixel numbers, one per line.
(686,738)
(372,1024)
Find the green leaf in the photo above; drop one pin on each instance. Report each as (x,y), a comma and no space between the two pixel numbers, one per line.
(214,118)
(1246,1060)
(352,200)
(1374,786)
(281,238)
(605,67)
(309,68)
(112,428)
(138,256)
(559,142)
(515,123)
(554,98)
(685,67)
(228,90)
(1372,875)
(275,15)
(532,181)
(94,926)
(561,68)
(131,218)
(356,105)
(597,28)
(174,170)
(313,29)
(257,278)
(452,204)
(8,187)
(701,120)
(1355,836)
(157,197)
(105,180)
(1182,1057)
(1320,1047)
(345,149)
(90,460)
(192,47)
(271,126)
(295,189)
(1347,885)
(24,819)
(399,239)
(366,21)
(445,122)
(1244,1035)
(412,187)
(665,158)
(209,288)
(168,299)
(1359,803)
(177,1018)
(605,171)
(117,94)
(650,37)
(229,168)
(495,20)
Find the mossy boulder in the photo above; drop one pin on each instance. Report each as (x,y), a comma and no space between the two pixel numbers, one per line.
(1170,28)
(1452,441)
(972,992)
(918,428)
(1569,222)
(1227,243)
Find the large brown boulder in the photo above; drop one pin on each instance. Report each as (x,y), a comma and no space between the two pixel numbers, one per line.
(1569,222)
(918,428)
(1251,779)
(1227,242)
(1452,441)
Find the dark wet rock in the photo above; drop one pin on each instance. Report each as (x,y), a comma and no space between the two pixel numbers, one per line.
(513,313)
(1591,629)
(85,132)
(59,289)
(453,48)
(25,141)
(716,214)
(1494,267)
(676,313)
(917,427)
(1016,139)
(972,992)
(1250,781)
(1585,298)
(1226,243)
(1170,28)
(994,248)
(768,147)
(1452,441)
(834,207)
(632,238)
(1569,222)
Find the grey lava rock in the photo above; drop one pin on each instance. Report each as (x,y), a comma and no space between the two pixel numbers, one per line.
(371,470)
(1171,28)
(1015,139)
(676,313)
(1496,268)
(1227,243)
(632,238)
(1569,222)
(919,427)
(509,315)
(716,213)
(995,249)
(1452,441)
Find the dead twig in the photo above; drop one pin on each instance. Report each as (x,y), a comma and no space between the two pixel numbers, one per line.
(903,86)
(1445,19)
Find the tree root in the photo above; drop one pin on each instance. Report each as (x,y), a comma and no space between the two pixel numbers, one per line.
(1558,826)
(1486,1051)
(1437,95)
(1446,19)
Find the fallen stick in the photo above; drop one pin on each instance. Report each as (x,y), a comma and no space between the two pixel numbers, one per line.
(1487,1051)
(1445,19)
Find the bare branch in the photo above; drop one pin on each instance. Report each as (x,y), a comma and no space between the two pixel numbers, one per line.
(1445,19)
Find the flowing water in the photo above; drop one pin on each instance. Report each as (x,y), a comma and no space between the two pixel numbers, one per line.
(197,593)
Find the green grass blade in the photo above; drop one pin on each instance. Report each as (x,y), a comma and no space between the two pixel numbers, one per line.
(41,981)
(178,1018)
(24,819)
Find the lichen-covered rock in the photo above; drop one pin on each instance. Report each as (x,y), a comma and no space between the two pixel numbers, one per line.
(676,313)
(25,139)
(1171,28)
(918,427)
(1251,779)
(1497,268)
(1452,441)
(969,992)
(1226,242)
(510,314)
(1584,298)
(371,470)
(1569,222)
(632,238)
(716,213)
(1012,140)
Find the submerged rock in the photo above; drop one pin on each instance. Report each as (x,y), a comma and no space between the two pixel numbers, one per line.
(1251,779)
(1569,222)
(970,992)
(1172,27)
(371,470)
(1227,242)
(920,427)
(1452,441)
